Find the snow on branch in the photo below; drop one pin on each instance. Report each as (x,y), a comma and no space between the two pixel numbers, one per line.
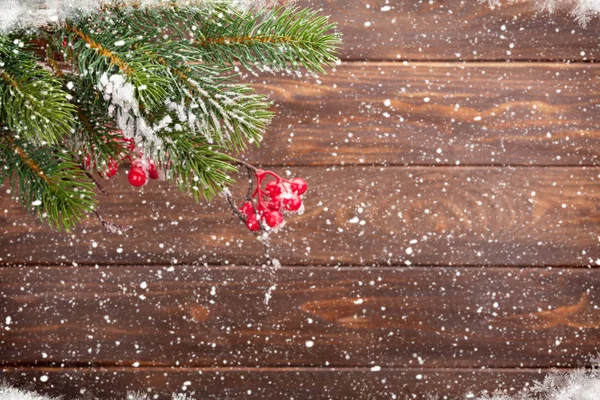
(35,13)
(582,10)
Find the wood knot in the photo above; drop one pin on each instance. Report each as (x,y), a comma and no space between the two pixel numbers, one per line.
(199,313)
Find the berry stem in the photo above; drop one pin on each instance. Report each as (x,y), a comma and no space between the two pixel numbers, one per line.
(112,227)
(233,207)
(245,164)
(93,179)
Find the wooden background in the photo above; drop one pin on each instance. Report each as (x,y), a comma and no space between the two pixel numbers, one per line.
(450,243)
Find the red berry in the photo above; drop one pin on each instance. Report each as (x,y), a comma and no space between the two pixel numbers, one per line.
(113,167)
(275,203)
(252,223)
(273,188)
(87,162)
(130,143)
(262,208)
(247,208)
(298,185)
(137,175)
(152,171)
(293,202)
(274,219)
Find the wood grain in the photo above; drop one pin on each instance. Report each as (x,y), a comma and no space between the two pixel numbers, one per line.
(435,114)
(354,216)
(317,317)
(457,30)
(288,383)
(326,331)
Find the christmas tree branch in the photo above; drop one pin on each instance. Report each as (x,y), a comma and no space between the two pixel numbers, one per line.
(106,57)
(195,166)
(50,183)
(32,102)
(25,159)
(101,50)
(152,83)
(279,39)
(226,113)
(95,139)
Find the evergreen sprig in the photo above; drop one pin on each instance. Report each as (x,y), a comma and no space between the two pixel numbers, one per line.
(198,168)
(163,76)
(32,102)
(280,39)
(50,182)
(277,39)
(94,140)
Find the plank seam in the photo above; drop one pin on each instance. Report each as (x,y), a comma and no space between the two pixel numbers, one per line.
(454,166)
(174,368)
(474,61)
(312,267)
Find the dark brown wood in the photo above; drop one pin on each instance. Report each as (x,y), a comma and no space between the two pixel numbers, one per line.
(457,30)
(358,331)
(435,114)
(319,317)
(354,216)
(289,383)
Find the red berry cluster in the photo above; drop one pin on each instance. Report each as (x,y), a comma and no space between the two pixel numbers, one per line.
(282,195)
(141,167)
(112,166)
(140,171)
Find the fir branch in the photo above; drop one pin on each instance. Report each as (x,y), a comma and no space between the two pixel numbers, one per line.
(50,183)
(112,58)
(161,75)
(280,39)
(100,54)
(25,159)
(226,113)
(197,168)
(94,139)
(206,98)
(32,102)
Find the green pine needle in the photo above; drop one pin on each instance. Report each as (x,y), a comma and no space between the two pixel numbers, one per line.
(179,96)
(49,181)
(32,102)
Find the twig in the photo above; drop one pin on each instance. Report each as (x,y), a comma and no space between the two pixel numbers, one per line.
(245,164)
(235,210)
(250,185)
(96,181)
(272,264)
(112,227)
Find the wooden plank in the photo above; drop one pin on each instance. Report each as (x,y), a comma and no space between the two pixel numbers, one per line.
(316,317)
(113,383)
(354,216)
(457,30)
(436,114)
